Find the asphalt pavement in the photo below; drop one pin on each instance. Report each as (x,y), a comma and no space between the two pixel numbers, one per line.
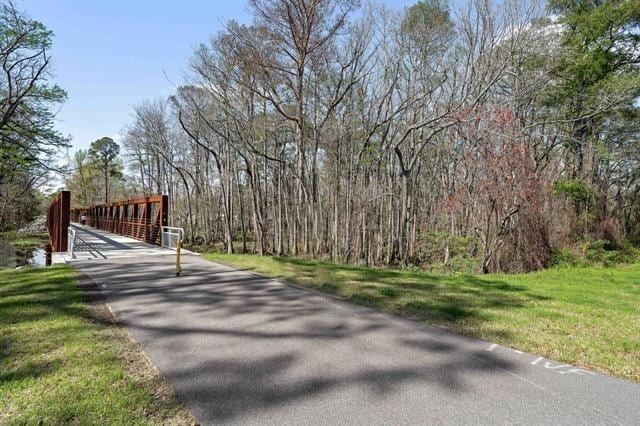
(243,349)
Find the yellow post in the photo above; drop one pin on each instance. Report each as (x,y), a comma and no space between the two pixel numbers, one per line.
(178,267)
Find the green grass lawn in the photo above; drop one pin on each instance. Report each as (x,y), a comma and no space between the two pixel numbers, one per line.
(585,316)
(60,363)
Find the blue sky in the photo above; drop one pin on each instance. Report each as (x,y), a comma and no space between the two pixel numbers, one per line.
(112,54)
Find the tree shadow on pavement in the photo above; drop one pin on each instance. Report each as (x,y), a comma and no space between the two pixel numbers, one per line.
(235,344)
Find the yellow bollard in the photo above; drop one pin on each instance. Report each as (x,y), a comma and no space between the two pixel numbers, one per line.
(178,267)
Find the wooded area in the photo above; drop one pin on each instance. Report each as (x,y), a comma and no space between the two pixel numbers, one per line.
(496,132)
(488,136)
(29,101)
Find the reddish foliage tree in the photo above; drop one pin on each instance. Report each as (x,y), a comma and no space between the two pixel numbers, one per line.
(502,185)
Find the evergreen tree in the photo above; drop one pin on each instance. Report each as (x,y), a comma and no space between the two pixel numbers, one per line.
(104,156)
(597,70)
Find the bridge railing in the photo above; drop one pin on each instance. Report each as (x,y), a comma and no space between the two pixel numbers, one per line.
(58,221)
(71,245)
(141,218)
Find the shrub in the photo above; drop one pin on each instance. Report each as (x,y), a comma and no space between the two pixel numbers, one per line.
(578,191)
(627,254)
(456,265)
(595,251)
(561,257)
(598,252)
(432,246)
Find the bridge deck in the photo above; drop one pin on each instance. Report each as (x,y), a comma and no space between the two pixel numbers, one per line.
(92,244)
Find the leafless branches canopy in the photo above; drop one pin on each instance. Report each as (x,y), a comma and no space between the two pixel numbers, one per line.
(375,136)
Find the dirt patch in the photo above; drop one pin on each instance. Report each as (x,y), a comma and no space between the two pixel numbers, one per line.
(167,409)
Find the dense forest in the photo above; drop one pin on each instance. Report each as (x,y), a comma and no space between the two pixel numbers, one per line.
(476,136)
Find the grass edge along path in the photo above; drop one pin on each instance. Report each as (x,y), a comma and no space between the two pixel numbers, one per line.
(63,359)
(588,317)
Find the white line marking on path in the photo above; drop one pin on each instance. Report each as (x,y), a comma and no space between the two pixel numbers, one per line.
(578,371)
(550,366)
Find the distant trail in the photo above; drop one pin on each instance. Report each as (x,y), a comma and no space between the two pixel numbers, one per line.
(240,348)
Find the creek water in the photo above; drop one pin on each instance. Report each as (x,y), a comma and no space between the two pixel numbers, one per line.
(13,257)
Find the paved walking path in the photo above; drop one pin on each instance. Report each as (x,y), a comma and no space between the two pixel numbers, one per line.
(93,244)
(240,348)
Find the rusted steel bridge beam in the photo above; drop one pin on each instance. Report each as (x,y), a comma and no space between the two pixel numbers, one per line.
(58,216)
(140,218)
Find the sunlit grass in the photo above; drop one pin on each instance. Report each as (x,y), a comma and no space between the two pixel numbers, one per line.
(57,365)
(584,316)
